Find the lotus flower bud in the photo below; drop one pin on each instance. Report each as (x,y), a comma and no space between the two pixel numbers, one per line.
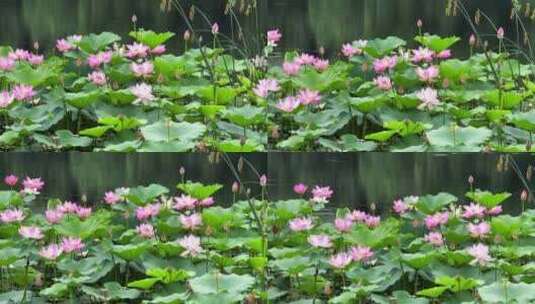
(187,35)
(500,33)
(134,18)
(235,187)
(263,180)
(182,171)
(470,179)
(472,40)
(524,196)
(419,23)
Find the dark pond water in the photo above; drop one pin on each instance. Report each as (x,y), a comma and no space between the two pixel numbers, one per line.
(358,179)
(307,24)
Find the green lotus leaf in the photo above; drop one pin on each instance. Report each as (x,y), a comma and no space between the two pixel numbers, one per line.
(146,195)
(150,38)
(198,190)
(162,131)
(381,47)
(216,283)
(436,43)
(430,204)
(488,199)
(94,43)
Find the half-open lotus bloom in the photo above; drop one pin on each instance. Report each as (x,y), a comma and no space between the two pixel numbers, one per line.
(11,216)
(97,77)
(361,253)
(144,213)
(422,55)
(434,238)
(340,260)
(358,216)
(480,230)
(372,221)
(273,37)
(83,212)
(400,207)
(111,198)
(23,92)
(309,97)
(215,28)
(145,231)
(349,50)
(427,74)
(36,59)
(305,59)
(343,224)
(96,60)
(6,98)
(386,63)
(137,50)
(207,202)
(383,82)
(11,180)
(495,211)
(6,64)
(51,252)
(72,244)
(300,224)
(429,98)
(320,241)
(68,207)
(265,86)
(500,33)
(480,253)
(143,92)
(64,46)
(300,188)
(288,104)
(321,194)
(291,68)
(158,50)
(144,69)
(191,222)
(435,220)
(474,211)
(54,216)
(191,244)
(321,64)
(184,202)
(444,54)
(31,232)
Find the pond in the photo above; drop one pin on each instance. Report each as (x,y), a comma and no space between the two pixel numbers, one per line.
(358,179)
(307,25)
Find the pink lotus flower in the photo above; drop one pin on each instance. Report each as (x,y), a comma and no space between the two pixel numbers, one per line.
(320,241)
(11,215)
(309,97)
(64,46)
(97,77)
(51,252)
(273,37)
(383,82)
(137,50)
(429,98)
(31,232)
(145,231)
(187,35)
(321,194)
(291,68)
(111,198)
(480,253)
(6,64)
(215,28)
(288,104)
(235,187)
(340,260)
(495,211)
(500,33)
(305,59)
(400,207)
(191,222)
(444,54)
(36,59)
(349,50)
(72,244)
(384,64)
(358,216)
(23,92)
(184,202)
(191,244)
(474,211)
(300,224)
(6,99)
(11,180)
(343,224)
(361,253)
(263,180)
(96,60)
(143,92)
(19,54)
(83,213)
(419,23)
(434,238)
(422,54)
(265,86)
(427,75)
(158,50)
(472,40)
(321,64)
(479,230)
(68,207)
(143,213)
(372,221)
(300,189)
(435,220)
(144,69)
(207,202)
(53,216)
